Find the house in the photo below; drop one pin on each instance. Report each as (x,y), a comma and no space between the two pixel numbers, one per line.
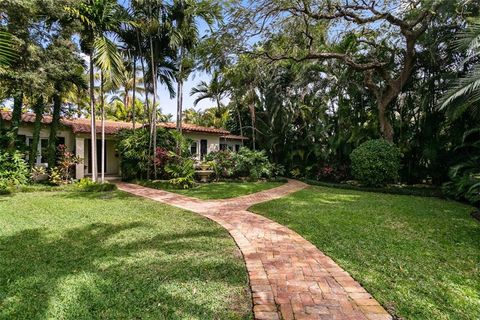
(75,135)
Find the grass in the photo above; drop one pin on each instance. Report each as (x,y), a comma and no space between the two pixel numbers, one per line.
(80,255)
(420,257)
(215,190)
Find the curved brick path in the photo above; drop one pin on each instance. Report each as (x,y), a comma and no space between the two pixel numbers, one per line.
(289,277)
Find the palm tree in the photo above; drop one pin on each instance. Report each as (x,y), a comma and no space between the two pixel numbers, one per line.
(214,91)
(465,91)
(7,54)
(185,37)
(100,19)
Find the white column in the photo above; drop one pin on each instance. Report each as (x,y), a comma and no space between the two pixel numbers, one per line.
(80,152)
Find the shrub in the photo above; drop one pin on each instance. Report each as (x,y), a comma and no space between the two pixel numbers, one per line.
(465,182)
(13,170)
(88,185)
(66,161)
(375,162)
(332,173)
(181,171)
(252,164)
(135,158)
(222,163)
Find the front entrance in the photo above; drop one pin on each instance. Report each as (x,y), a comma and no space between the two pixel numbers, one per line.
(203,148)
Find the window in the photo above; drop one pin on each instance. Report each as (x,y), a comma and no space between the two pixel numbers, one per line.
(60,140)
(194,148)
(203,148)
(237,147)
(42,150)
(223,146)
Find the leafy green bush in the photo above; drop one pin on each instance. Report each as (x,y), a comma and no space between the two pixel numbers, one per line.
(222,163)
(245,163)
(136,161)
(13,170)
(465,176)
(88,185)
(181,171)
(375,162)
(253,164)
(465,181)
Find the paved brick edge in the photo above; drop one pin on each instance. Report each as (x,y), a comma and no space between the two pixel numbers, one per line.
(289,277)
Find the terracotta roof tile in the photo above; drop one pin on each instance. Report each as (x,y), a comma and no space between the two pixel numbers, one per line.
(194,128)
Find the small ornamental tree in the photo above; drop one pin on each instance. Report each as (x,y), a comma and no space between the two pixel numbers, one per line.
(375,163)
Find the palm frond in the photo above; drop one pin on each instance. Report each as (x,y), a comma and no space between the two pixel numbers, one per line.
(463,87)
(7,54)
(108,58)
(469,39)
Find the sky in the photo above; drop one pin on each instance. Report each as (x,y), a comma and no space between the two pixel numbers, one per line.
(170,105)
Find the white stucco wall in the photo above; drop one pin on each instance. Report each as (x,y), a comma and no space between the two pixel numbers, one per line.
(213,141)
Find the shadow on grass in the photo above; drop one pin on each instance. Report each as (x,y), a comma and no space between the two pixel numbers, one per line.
(101,271)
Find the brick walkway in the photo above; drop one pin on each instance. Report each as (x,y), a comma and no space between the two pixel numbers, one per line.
(289,277)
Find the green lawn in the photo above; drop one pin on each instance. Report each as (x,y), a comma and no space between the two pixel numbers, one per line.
(215,190)
(70,255)
(420,257)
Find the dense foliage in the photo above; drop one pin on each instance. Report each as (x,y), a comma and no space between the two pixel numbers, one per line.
(375,162)
(136,159)
(181,171)
(13,170)
(245,163)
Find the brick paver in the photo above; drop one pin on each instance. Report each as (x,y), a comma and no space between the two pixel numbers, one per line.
(289,277)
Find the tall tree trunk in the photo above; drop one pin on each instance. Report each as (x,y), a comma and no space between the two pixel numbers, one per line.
(180,99)
(385,126)
(102,101)
(252,115)
(153,126)
(16,118)
(146,118)
(93,135)
(38,107)
(144,73)
(134,89)
(180,93)
(179,104)
(237,108)
(52,141)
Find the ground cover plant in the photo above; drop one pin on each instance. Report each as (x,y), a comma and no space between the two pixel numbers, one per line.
(82,255)
(419,257)
(215,190)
